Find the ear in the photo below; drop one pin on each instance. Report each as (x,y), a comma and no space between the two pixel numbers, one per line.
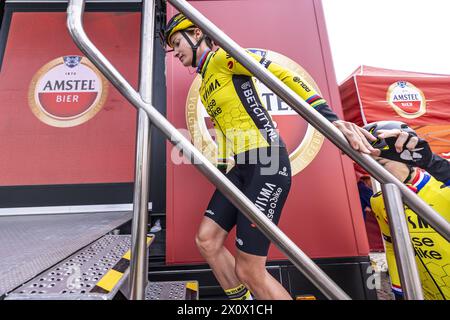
(198,33)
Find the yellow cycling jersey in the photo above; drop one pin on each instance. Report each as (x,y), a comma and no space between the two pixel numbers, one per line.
(432,251)
(229,94)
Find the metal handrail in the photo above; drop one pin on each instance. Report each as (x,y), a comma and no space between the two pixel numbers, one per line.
(139,252)
(407,267)
(322,281)
(404,251)
(313,117)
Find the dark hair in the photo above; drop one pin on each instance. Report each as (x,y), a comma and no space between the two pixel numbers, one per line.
(209,42)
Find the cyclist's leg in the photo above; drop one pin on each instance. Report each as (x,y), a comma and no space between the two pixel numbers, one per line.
(269,193)
(251,271)
(220,218)
(210,242)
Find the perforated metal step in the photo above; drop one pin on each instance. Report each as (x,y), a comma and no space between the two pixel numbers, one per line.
(172,290)
(29,245)
(93,273)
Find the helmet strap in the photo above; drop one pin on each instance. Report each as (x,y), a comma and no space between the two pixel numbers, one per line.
(193,47)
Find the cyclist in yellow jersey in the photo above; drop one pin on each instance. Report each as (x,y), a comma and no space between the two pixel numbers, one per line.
(245,130)
(432,251)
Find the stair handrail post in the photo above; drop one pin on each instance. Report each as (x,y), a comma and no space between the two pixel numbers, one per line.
(139,252)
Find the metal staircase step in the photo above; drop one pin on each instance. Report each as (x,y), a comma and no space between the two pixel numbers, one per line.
(172,290)
(31,244)
(93,273)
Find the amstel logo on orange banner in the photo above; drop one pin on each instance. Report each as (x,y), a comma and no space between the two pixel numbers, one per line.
(67,92)
(406,99)
(303,141)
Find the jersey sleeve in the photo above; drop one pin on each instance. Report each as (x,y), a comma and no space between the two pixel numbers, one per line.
(289,78)
(439,168)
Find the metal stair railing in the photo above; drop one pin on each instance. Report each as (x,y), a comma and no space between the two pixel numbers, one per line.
(312,116)
(138,279)
(403,249)
(295,255)
(441,225)
(322,281)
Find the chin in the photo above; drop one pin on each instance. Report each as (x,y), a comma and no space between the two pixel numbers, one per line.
(187,63)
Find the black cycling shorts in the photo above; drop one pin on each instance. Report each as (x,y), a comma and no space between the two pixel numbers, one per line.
(264,176)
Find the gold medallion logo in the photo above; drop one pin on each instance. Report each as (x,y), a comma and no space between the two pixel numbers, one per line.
(67,92)
(303,141)
(407,100)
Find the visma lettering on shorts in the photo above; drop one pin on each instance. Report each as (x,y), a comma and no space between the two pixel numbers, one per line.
(268,198)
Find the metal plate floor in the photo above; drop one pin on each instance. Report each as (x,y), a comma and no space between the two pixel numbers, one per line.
(30,245)
(96,272)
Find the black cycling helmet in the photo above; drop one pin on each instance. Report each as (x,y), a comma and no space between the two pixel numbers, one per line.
(421,156)
(388,143)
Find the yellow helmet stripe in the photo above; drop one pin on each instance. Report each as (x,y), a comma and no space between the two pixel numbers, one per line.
(181,24)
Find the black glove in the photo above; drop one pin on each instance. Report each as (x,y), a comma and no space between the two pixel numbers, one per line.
(421,156)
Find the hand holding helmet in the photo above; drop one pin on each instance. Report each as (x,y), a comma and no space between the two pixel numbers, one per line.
(398,142)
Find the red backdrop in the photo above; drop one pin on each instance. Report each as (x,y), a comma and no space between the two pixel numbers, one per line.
(99,150)
(322,214)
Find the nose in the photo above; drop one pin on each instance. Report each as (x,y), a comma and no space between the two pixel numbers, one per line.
(176,53)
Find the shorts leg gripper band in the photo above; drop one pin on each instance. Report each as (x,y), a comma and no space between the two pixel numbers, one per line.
(239,293)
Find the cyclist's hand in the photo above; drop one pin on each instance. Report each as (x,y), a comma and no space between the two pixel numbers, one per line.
(409,148)
(356,136)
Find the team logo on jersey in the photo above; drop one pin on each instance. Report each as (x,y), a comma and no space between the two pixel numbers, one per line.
(67,92)
(406,99)
(303,141)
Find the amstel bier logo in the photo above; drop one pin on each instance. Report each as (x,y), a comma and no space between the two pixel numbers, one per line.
(406,99)
(67,92)
(303,141)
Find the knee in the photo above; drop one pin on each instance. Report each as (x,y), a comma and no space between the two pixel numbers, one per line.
(249,274)
(207,244)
